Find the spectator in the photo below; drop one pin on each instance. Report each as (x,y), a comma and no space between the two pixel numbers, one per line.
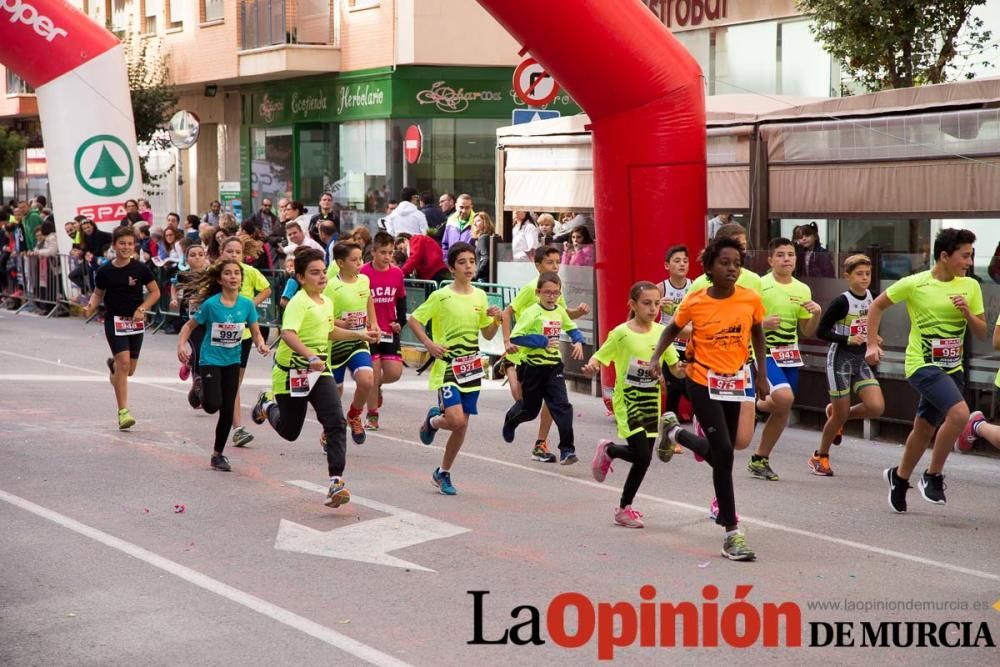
(296,211)
(579,250)
(214,211)
(407,218)
(432,212)
(31,219)
(264,218)
(568,222)
(146,211)
(546,229)
(327,239)
(812,259)
(42,204)
(131,213)
(72,229)
(229,224)
(169,250)
(46,241)
(212,239)
(483,232)
(524,237)
(257,251)
(446,202)
(363,238)
(297,237)
(423,258)
(192,227)
(718,221)
(326,213)
(459,226)
(283,209)
(93,239)
(173,221)
(391,206)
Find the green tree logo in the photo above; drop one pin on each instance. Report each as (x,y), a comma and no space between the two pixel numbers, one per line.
(106,177)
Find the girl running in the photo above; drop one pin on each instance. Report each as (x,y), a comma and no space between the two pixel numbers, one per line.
(184,300)
(724,318)
(637,395)
(301,375)
(225,314)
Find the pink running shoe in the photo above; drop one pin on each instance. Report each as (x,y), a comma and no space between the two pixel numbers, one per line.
(601,464)
(184,373)
(628,517)
(701,434)
(968,437)
(713,510)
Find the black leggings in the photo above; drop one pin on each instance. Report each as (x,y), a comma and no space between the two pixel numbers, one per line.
(219,385)
(544,383)
(719,420)
(289,414)
(675,389)
(638,452)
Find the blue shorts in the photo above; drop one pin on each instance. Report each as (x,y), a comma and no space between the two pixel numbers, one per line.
(449,396)
(939,392)
(782,376)
(358,361)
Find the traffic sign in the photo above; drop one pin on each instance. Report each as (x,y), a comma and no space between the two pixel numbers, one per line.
(521,116)
(413,144)
(533,85)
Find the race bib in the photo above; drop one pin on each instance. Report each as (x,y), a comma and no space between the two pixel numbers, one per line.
(301,381)
(729,387)
(387,337)
(128,326)
(946,352)
(551,328)
(859,327)
(356,320)
(680,344)
(638,374)
(467,368)
(226,334)
(787,356)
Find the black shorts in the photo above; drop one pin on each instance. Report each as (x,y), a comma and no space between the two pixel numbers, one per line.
(245,348)
(131,344)
(387,351)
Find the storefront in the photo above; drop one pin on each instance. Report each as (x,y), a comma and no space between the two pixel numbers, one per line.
(365,135)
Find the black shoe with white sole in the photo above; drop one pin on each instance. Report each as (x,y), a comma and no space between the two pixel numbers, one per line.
(932,488)
(897,490)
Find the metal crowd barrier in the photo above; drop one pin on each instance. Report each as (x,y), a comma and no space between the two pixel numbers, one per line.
(417,292)
(42,285)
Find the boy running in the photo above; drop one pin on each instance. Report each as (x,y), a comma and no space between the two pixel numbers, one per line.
(460,313)
(674,289)
(941,303)
(119,285)
(789,307)
(845,325)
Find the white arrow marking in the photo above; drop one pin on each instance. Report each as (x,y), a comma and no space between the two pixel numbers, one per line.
(368,541)
(535,117)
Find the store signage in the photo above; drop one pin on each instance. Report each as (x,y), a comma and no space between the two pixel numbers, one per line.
(304,105)
(688,13)
(455,100)
(413,144)
(359,96)
(22,12)
(269,108)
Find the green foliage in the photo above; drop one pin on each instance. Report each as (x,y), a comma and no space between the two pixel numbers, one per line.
(153,98)
(899,43)
(11,146)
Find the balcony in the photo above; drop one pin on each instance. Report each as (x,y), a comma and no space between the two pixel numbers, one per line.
(286,38)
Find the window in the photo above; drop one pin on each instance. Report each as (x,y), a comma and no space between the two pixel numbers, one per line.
(120,11)
(175,13)
(17,86)
(213,10)
(150,10)
(318,169)
(356,5)
(271,164)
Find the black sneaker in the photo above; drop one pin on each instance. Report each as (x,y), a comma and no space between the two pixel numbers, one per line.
(194,394)
(897,490)
(932,488)
(220,462)
(111,367)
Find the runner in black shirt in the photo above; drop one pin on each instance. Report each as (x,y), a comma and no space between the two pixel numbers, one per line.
(119,285)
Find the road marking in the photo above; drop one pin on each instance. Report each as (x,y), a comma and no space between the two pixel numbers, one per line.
(676,503)
(368,541)
(344,643)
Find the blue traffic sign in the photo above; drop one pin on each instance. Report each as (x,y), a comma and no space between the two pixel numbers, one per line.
(521,116)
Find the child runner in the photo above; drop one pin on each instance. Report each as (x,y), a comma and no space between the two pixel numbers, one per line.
(301,374)
(256,288)
(788,306)
(460,313)
(977,426)
(540,371)
(637,395)
(845,325)
(119,285)
(674,289)
(354,310)
(941,304)
(291,285)
(724,318)
(389,296)
(224,313)
(184,300)
(546,260)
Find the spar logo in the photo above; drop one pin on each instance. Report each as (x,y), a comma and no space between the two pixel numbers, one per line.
(23,12)
(103,165)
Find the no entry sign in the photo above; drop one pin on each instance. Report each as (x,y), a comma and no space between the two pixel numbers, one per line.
(533,84)
(413,144)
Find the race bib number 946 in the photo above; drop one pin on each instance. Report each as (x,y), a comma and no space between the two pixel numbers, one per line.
(128,326)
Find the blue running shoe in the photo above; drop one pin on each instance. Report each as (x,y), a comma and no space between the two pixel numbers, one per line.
(567,457)
(426,432)
(442,480)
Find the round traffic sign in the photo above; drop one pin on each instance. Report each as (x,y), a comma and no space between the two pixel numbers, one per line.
(533,84)
(413,144)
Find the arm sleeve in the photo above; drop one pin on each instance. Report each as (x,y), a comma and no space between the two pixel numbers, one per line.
(401,311)
(530,340)
(577,337)
(837,310)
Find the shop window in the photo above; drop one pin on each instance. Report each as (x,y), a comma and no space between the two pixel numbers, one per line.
(746,58)
(271,169)
(318,168)
(364,185)
(805,68)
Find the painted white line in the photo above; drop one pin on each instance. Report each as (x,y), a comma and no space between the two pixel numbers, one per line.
(344,643)
(675,503)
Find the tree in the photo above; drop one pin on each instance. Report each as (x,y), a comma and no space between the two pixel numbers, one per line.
(153,97)
(899,43)
(12,145)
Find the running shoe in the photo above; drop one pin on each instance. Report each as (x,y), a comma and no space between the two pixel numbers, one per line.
(125,420)
(220,462)
(442,480)
(839,437)
(968,437)
(932,488)
(567,457)
(735,548)
(184,372)
(322,441)
(509,426)
(337,494)
(897,490)
(371,421)
(540,452)
(259,411)
(665,450)
(194,395)
(427,433)
(713,510)
(819,464)
(111,368)
(760,468)
(601,465)
(628,517)
(357,429)
(241,437)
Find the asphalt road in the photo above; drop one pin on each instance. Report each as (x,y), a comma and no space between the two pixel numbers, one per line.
(98,568)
